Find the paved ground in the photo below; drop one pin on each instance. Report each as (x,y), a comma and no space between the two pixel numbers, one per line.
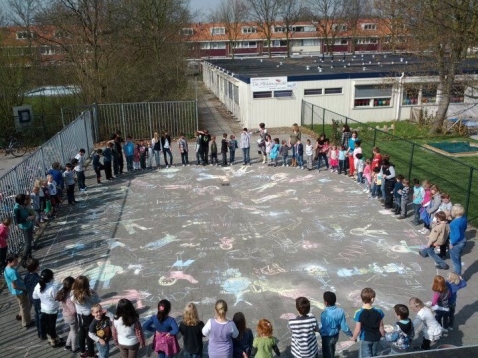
(269,236)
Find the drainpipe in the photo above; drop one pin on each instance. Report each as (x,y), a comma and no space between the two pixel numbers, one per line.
(399,97)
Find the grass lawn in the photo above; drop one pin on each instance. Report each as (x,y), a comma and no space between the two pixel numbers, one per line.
(457,176)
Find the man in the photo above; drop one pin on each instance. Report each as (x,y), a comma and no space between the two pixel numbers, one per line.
(17,288)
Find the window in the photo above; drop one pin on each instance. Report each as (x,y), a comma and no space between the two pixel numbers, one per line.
(457,94)
(23,35)
(236,94)
(47,50)
(339,27)
(280,29)
(213,45)
(337,90)
(341,42)
(283,94)
(410,96)
(264,94)
(312,91)
(306,42)
(365,41)
(278,43)
(369,26)
(187,32)
(246,44)
(429,94)
(218,31)
(249,30)
(373,96)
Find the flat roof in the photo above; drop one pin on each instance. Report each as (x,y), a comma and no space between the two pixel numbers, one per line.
(326,67)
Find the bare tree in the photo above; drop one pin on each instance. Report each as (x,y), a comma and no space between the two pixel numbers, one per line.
(391,20)
(443,31)
(353,12)
(327,14)
(231,14)
(290,12)
(264,13)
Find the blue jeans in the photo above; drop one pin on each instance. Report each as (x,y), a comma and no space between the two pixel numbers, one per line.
(81,179)
(245,154)
(129,163)
(300,160)
(360,177)
(430,251)
(103,351)
(342,166)
(232,156)
(368,349)
(162,355)
(382,188)
(189,355)
(416,213)
(157,158)
(319,160)
(168,152)
(285,158)
(40,324)
(328,346)
(455,255)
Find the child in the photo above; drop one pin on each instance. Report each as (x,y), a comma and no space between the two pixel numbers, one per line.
(376,183)
(446,205)
(48,202)
(299,154)
(57,177)
(35,198)
(268,144)
(367,174)
(437,237)
(232,148)
(334,159)
(136,157)
(83,297)
(264,343)
(46,291)
(107,160)
(404,198)
(150,156)
(303,328)
(68,311)
(309,152)
(183,149)
(126,329)
(52,190)
(332,321)
(31,211)
(191,329)
(80,172)
(224,146)
(143,154)
(284,153)
(129,153)
(426,322)
(242,344)
(97,166)
(31,279)
(369,325)
(441,294)
(4,232)
(69,176)
(274,154)
(454,283)
(100,330)
(342,156)
(214,151)
(403,332)
(396,194)
(360,165)
(165,328)
(418,194)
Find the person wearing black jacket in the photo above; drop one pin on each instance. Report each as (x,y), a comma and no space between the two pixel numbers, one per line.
(205,139)
(166,145)
(388,173)
(224,149)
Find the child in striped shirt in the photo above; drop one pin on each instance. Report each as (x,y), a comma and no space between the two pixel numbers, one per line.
(303,328)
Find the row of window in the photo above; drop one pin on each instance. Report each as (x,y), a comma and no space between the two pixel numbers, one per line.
(275,94)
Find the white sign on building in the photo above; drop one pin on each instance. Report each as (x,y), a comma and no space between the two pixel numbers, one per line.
(269,84)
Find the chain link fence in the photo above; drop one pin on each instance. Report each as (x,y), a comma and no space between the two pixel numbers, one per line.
(60,148)
(412,160)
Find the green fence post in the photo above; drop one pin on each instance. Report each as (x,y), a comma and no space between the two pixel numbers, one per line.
(374,137)
(323,120)
(410,163)
(313,111)
(468,192)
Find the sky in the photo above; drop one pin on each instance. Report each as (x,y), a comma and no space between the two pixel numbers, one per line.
(204,6)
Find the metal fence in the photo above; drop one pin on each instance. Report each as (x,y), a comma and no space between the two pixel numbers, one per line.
(412,160)
(140,120)
(60,148)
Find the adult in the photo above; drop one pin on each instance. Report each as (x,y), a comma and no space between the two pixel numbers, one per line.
(17,288)
(344,142)
(388,174)
(321,150)
(245,144)
(261,142)
(57,174)
(382,185)
(166,146)
(25,223)
(156,144)
(350,152)
(205,139)
(293,138)
(377,158)
(220,331)
(119,149)
(457,236)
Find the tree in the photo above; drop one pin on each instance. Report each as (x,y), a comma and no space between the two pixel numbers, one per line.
(443,31)
(391,19)
(264,13)
(290,12)
(231,14)
(353,12)
(326,14)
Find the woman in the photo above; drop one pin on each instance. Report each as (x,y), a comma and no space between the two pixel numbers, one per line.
(127,332)
(46,291)
(293,138)
(388,174)
(165,328)
(344,141)
(25,222)
(166,145)
(457,236)
(321,150)
(156,144)
(261,142)
(220,331)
